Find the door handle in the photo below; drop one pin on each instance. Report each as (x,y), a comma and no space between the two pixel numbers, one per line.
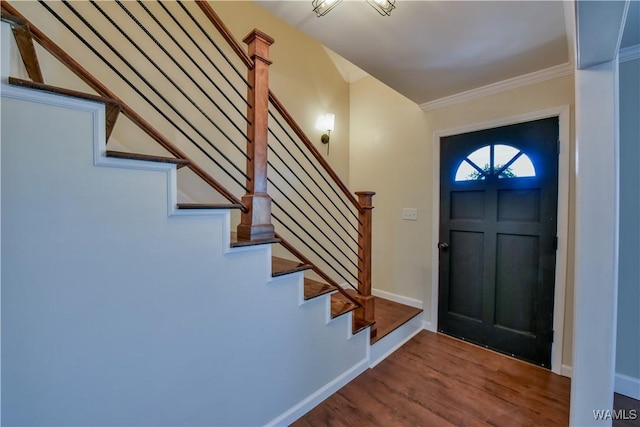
(443,246)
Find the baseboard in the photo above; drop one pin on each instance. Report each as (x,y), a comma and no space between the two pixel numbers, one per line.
(627,386)
(292,414)
(566,371)
(412,302)
(429,326)
(396,339)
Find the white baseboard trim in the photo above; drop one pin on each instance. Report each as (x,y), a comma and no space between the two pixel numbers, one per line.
(412,302)
(429,326)
(566,371)
(396,339)
(627,386)
(292,414)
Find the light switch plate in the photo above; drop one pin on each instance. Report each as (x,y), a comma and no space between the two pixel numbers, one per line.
(410,214)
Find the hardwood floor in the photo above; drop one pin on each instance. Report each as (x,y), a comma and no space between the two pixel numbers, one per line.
(435,380)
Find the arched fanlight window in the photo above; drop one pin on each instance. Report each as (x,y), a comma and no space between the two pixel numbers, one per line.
(505,161)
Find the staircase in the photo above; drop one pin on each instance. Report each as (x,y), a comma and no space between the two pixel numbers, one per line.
(127,315)
(170,319)
(255,205)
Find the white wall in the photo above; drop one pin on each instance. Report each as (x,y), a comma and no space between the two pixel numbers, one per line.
(115,313)
(628,336)
(596,242)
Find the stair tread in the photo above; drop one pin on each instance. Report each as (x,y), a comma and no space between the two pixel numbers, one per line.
(61,91)
(313,288)
(147,157)
(281,266)
(235,243)
(208,206)
(360,324)
(340,305)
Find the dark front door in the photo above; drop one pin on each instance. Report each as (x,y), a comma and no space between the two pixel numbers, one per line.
(498,208)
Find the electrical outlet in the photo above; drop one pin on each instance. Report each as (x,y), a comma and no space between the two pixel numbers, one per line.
(410,214)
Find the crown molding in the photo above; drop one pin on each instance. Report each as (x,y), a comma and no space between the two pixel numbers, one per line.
(503,86)
(629,53)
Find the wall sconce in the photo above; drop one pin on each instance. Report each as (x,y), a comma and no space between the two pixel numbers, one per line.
(325,123)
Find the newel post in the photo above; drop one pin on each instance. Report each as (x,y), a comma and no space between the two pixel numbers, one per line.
(256,222)
(367,311)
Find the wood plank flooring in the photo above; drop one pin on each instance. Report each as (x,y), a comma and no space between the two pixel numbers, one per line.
(435,380)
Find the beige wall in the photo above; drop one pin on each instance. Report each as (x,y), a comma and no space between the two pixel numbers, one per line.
(302,76)
(392,144)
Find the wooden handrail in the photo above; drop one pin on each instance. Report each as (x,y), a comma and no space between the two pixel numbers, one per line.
(224,32)
(96,85)
(24,41)
(307,142)
(317,270)
(237,47)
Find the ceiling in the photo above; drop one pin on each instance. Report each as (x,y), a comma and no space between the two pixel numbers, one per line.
(429,50)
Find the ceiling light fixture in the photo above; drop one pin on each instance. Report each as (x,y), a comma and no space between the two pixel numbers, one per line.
(383,7)
(322,7)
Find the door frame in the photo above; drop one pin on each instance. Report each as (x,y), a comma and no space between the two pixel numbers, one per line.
(563,114)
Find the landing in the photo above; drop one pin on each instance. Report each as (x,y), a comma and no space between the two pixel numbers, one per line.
(391,315)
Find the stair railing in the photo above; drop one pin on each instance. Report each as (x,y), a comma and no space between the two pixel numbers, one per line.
(51,47)
(310,206)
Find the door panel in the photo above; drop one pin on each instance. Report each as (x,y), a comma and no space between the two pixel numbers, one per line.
(467,205)
(519,205)
(498,202)
(465,297)
(516,278)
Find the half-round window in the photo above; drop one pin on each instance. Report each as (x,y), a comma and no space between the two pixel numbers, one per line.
(505,161)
